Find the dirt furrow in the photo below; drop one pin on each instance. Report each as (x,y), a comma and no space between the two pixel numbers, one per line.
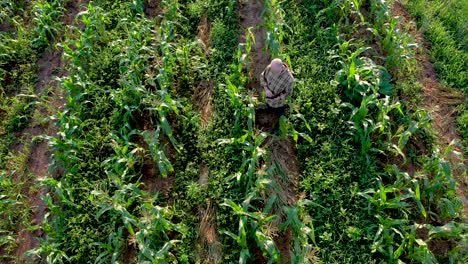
(208,247)
(250,14)
(152,8)
(282,150)
(50,65)
(440,101)
(283,155)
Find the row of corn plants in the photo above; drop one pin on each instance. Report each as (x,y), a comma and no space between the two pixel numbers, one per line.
(273,20)
(114,191)
(18,77)
(106,106)
(232,115)
(375,127)
(147,225)
(256,209)
(70,145)
(371,122)
(252,179)
(303,242)
(442,24)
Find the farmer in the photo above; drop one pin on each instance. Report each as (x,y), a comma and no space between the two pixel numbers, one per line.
(278,82)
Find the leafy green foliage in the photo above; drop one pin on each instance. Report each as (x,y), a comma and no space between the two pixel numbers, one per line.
(133,165)
(46,23)
(441,22)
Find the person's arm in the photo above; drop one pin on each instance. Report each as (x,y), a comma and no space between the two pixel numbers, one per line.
(290,87)
(263,82)
(262,79)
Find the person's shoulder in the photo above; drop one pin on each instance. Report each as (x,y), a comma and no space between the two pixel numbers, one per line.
(267,69)
(288,74)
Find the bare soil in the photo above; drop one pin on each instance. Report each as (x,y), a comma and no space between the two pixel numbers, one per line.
(202,98)
(282,150)
(203,95)
(204,174)
(204,32)
(208,248)
(72,9)
(50,65)
(283,155)
(441,102)
(6,26)
(441,247)
(250,13)
(152,8)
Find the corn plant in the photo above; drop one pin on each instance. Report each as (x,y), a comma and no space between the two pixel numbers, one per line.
(437,180)
(403,134)
(67,142)
(403,188)
(46,23)
(6,10)
(116,206)
(380,13)
(242,103)
(148,230)
(396,196)
(303,233)
(408,195)
(79,52)
(362,125)
(250,224)
(252,156)
(192,61)
(241,237)
(152,238)
(350,8)
(133,92)
(160,158)
(14,212)
(273,22)
(50,250)
(166,47)
(359,76)
(396,44)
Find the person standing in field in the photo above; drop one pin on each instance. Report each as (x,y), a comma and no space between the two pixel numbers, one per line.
(278,83)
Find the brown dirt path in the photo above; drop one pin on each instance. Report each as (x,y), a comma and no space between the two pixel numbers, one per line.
(250,14)
(440,101)
(208,248)
(50,65)
(283,153)
(152,8)
(282,150)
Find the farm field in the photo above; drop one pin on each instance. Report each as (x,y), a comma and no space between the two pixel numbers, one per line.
(131,132)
